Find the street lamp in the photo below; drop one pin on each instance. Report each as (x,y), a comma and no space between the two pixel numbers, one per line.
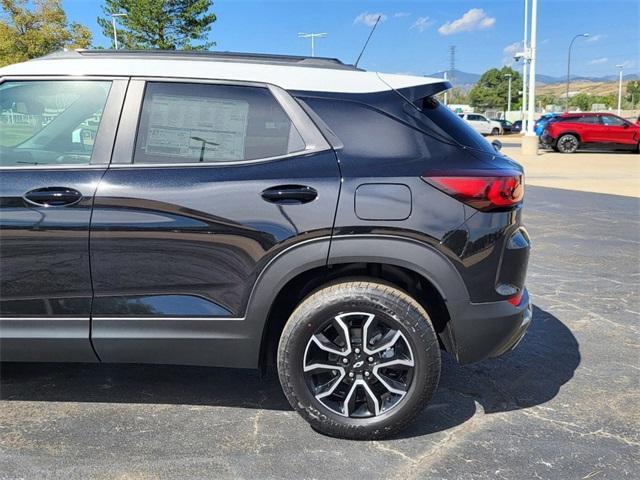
(508,75)
(312,36)
(620,89)
(115,32)
(525,62)
(530,140)
(569,67)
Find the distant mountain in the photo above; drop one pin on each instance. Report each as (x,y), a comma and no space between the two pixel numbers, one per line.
(466,79)
(459,78)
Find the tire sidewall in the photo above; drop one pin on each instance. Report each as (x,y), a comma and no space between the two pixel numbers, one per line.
(313,316)
(562,149)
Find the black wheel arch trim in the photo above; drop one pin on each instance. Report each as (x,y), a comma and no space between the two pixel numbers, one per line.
(402,252)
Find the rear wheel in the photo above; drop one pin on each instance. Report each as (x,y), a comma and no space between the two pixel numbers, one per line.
(359,360)
(567,143)
(495,131)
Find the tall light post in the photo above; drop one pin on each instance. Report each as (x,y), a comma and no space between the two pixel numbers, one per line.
(566,109)
(312,36)
(115,31)
(525,63)
(508,75)
(621,67)
(530,140)
(445,92)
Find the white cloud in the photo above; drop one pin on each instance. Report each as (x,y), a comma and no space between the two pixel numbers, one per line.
(422,23)
(369,19)
(595,38)
(597,61)
(509,51)
(474,19)
(401,14)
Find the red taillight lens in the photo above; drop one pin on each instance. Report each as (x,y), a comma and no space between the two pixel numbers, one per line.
(515,301)
(486,193)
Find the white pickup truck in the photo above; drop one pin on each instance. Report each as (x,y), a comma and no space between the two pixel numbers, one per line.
(482,124)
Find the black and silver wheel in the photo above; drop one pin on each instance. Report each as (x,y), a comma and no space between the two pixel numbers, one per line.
(567,143)
(495,131)
(359,360)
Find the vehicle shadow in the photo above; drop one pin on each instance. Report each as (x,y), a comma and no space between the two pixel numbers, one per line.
(530,375)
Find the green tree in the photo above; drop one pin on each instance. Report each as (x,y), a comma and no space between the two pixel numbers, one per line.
(163,24)
(633,92)
(581,100)
(30,29)
(492,89)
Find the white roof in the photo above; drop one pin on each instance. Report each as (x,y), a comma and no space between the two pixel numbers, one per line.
(289,77)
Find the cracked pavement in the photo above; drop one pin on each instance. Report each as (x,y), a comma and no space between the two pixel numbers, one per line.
(564,404)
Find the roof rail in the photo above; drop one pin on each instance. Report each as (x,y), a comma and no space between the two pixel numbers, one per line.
(240,57)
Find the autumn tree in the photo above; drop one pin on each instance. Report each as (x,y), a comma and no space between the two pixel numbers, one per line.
(30,29)
(162,24)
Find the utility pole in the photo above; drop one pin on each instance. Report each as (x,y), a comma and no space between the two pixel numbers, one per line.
(312,36)
(621,67)
(566,109)
(115,31)
(508,75)
(525,64)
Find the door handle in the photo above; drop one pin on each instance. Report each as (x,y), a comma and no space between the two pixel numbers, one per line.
(53,196)
(289,194)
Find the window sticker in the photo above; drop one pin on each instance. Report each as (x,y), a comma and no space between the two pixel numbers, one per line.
(198,128)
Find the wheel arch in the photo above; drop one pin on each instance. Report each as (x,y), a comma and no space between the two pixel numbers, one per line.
(295,273)
(570,132)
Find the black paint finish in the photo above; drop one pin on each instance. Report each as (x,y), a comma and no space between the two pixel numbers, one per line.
(204,231)
(182,263)
(45,250)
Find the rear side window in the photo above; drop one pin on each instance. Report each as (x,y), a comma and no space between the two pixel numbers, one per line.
(612,121)
(50,122)
(589,119)
(440,119)
(192,123)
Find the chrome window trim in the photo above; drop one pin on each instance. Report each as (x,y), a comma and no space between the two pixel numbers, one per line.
(301,153)
(312,137)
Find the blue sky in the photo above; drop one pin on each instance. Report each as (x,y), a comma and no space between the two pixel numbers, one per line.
(414,36)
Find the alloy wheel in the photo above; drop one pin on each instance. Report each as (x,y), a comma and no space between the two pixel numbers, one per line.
(359,364)
(568,144)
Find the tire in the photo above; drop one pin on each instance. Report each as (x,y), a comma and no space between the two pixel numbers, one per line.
(567,143)
(495,131)
(393,329)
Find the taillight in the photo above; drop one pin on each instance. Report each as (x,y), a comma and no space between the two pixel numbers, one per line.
(486,190)
(515,300)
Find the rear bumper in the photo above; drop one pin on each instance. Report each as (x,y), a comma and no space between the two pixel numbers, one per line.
(485,330)
(546,139)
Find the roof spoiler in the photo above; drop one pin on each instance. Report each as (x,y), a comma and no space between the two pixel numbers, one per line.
(423,87)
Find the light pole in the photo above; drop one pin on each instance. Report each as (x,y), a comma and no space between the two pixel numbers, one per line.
(566,109)
(620,89)
(312,36)
(525,62)
(508,75)
(530,140)
(445,92)
(115,32)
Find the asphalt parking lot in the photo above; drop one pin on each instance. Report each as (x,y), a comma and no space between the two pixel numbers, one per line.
(564,404)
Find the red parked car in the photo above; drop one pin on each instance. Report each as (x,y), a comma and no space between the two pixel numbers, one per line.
(572,131)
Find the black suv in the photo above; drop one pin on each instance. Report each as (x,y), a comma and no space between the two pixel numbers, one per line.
(243,210)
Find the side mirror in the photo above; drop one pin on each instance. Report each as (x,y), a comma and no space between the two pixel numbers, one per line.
(626,125)
(497,145)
